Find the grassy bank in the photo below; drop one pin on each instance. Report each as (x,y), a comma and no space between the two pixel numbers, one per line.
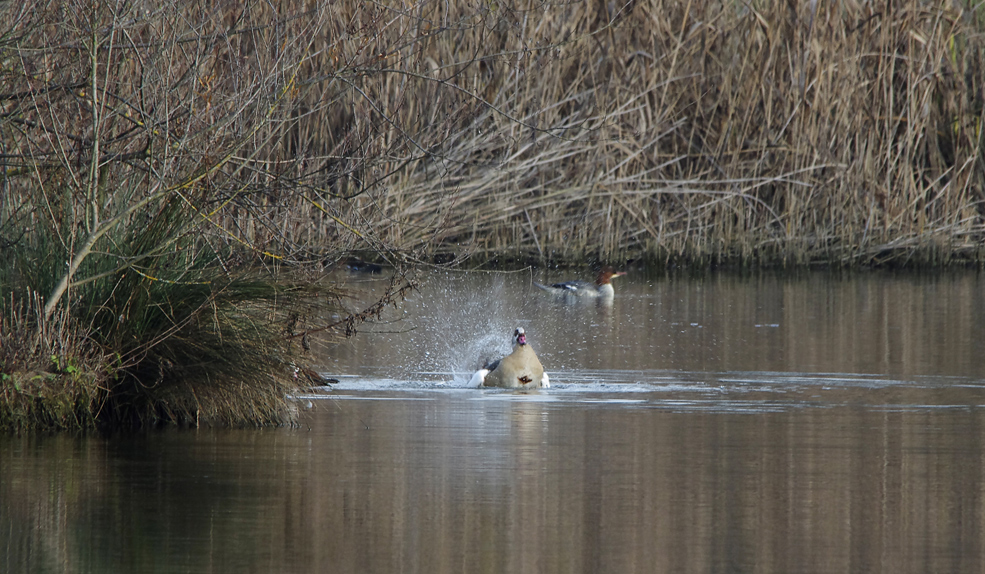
(219,357)
(163,165)
(230,350)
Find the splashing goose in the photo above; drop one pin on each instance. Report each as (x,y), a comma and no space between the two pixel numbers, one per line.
(601,288)
(521,369)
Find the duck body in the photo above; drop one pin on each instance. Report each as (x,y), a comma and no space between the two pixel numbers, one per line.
(521,369)
(602,288)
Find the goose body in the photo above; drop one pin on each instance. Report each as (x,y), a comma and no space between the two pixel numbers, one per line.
(521,369)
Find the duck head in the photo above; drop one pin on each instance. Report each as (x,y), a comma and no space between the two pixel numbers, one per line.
(519,336)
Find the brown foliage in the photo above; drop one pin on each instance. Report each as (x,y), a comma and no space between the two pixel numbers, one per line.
(798,132)
(697,131)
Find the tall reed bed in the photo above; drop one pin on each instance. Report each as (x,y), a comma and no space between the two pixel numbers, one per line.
(769,132)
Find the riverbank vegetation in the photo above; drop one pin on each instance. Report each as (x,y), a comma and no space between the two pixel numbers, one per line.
(177,176)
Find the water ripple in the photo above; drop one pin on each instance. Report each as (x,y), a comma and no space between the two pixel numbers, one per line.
(729,392)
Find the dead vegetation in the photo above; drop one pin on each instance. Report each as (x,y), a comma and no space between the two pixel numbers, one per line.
(841,133)
(164,162)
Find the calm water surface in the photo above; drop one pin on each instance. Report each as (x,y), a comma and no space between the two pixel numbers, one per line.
(809,423)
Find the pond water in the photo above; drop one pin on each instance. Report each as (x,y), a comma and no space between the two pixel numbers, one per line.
(722,423)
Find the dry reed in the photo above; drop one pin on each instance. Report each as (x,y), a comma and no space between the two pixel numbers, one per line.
(775,132)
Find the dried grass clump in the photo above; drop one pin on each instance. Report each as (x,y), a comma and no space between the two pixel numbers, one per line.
(52,375)
(227,351)
(216,354)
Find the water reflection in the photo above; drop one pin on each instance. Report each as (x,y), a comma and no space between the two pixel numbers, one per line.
(446,482)
(708,425)
(899,325)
